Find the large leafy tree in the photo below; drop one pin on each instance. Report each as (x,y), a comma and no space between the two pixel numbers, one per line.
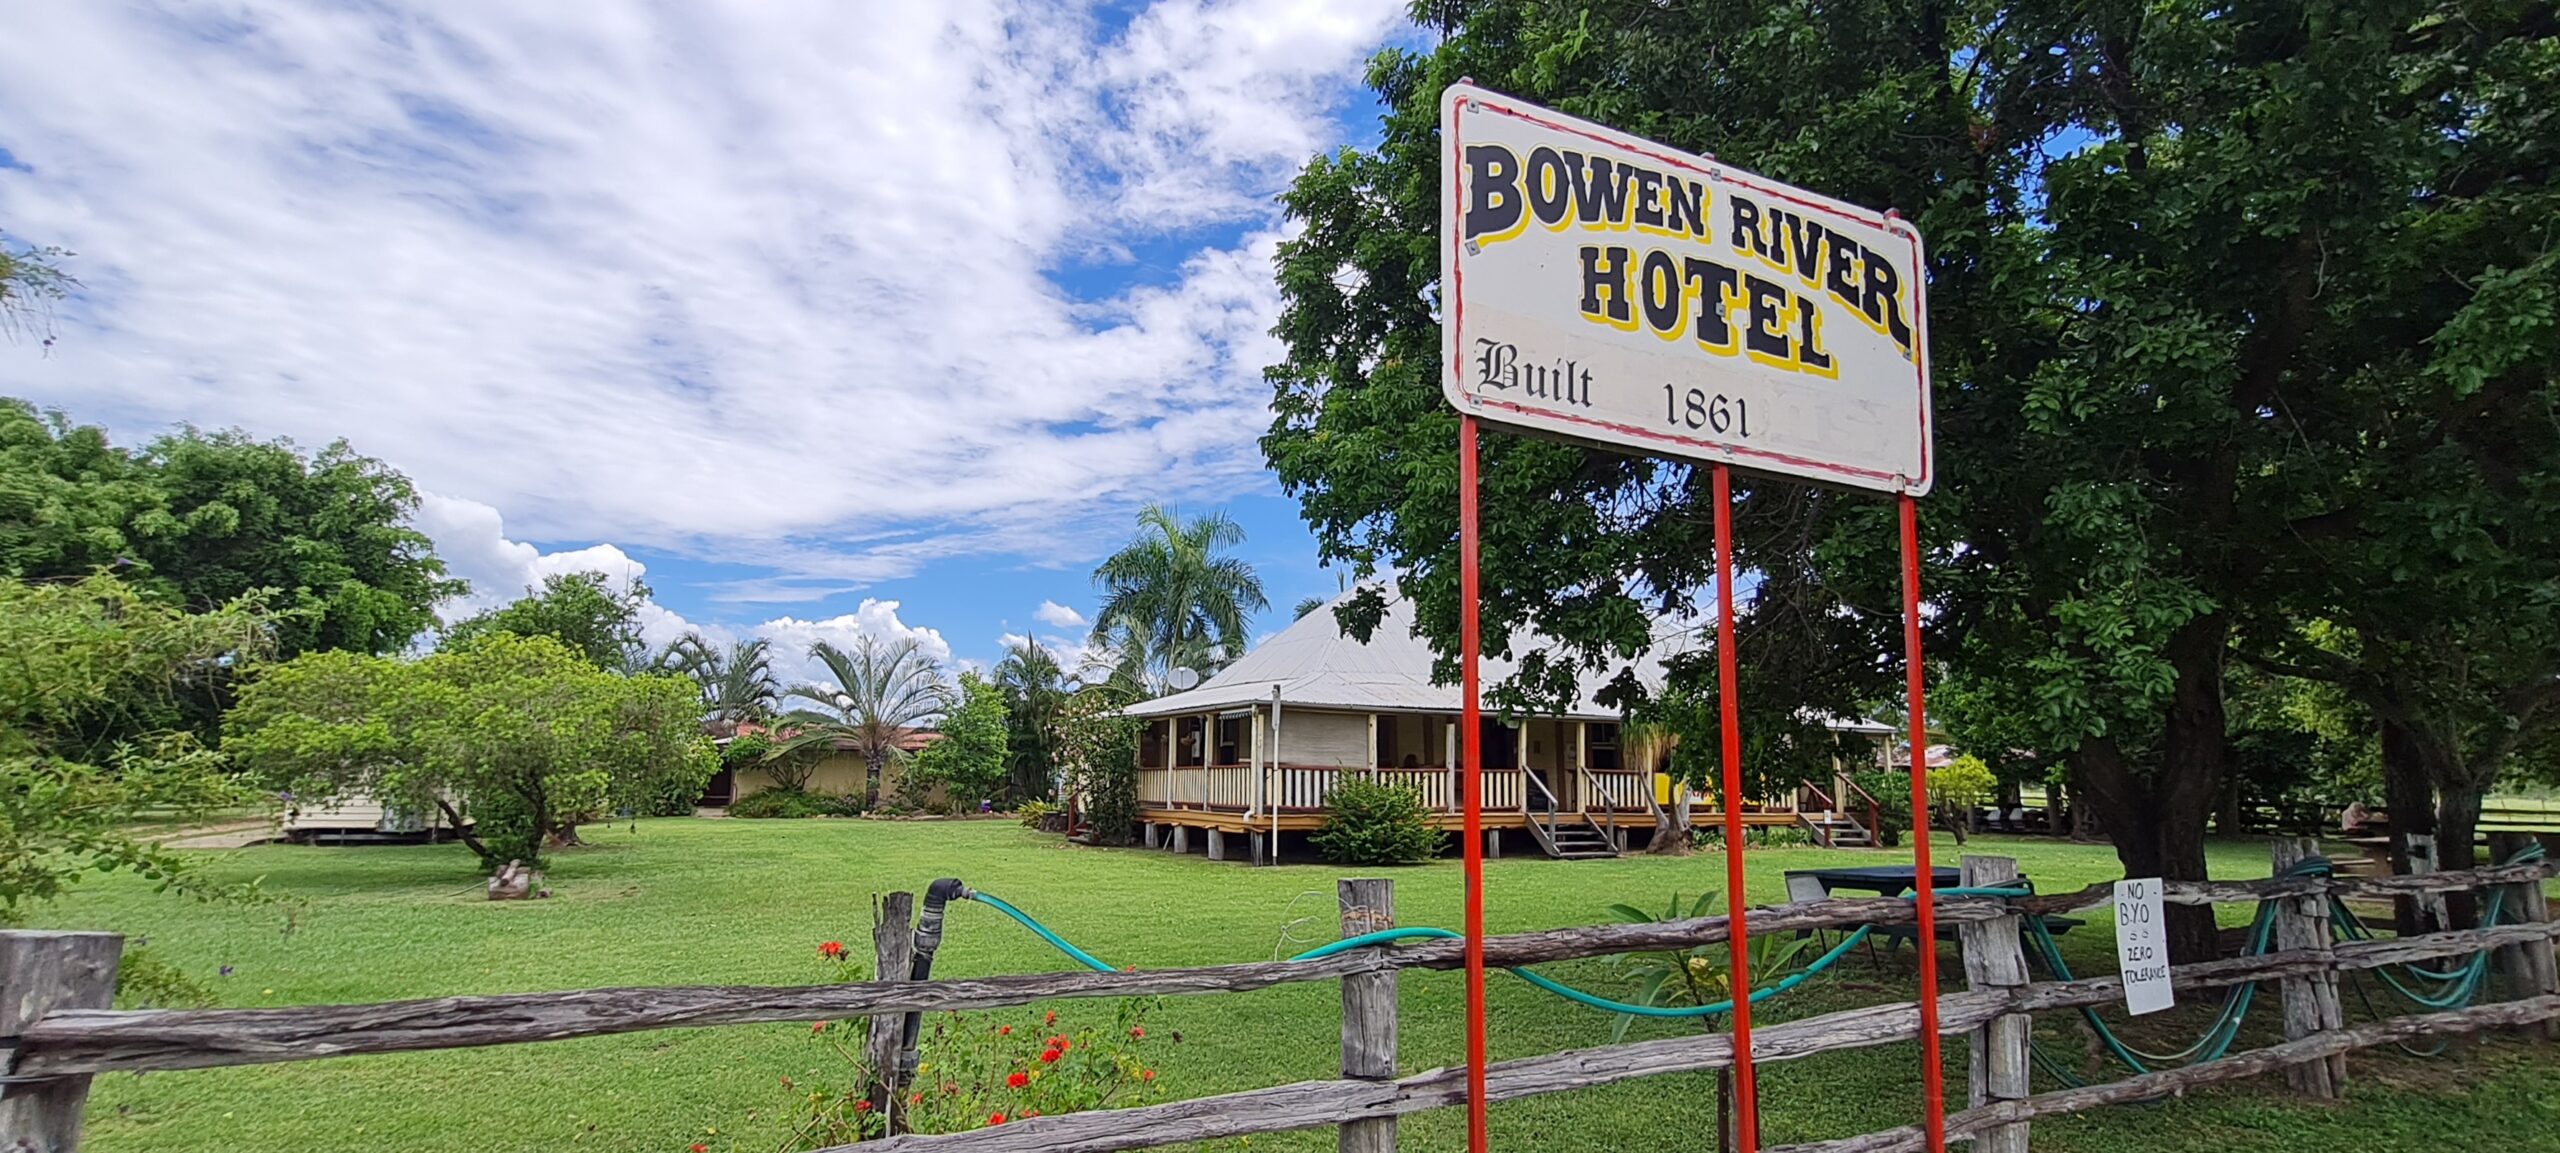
(207,517)
(67,650)
(1172,598)
(1035,690)
(2167,246)
(70,501)
(582,610)
(884,691)
(522,735)
(329,531)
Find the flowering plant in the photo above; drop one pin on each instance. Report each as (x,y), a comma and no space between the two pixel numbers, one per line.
(976,1070)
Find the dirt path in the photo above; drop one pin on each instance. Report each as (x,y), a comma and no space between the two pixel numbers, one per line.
(229,835)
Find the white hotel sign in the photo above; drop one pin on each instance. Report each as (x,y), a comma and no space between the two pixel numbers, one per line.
(1605,289)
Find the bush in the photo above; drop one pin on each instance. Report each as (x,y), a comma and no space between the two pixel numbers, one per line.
(672,796)
(1368,823)
(1892,792)
(781,803)
(1035,815)
(1099,750)
(845,805)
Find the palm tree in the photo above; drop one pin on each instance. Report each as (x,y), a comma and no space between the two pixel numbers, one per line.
(737,684)
(884,691)
(1035,687)
(1170,601)
(1305,606)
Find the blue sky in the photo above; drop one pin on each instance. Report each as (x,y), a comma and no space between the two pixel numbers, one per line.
(822,319)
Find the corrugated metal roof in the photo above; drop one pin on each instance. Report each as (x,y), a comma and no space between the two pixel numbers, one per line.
(1315,665)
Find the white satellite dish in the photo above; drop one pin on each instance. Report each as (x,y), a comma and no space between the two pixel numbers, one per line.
(1183,679)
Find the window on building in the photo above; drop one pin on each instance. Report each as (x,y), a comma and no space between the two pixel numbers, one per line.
(1151,745)
(1230,741)
(1600,743)
(1187,735)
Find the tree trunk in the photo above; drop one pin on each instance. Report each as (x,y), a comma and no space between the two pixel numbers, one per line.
(462,832)
(2408,800)
(2152,836)
(2157,820)
(872,761)
(2457,825)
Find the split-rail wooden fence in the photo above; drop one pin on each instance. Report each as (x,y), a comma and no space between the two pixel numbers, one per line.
(59,1032)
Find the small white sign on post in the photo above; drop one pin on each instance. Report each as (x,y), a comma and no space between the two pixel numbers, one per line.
(2142,946)
(1599,287)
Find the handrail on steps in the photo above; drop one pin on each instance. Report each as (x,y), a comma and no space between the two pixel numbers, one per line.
(1539,783)
(1875,817)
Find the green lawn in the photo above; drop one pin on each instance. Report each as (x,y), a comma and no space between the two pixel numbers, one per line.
(695,901)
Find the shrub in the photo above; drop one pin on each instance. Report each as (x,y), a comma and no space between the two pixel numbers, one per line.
(1369,823)
(780,803)
(845,805)
(1892,792)
(1098,749)
(1035,814)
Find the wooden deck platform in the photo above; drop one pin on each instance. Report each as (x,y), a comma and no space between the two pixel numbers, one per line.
(1305,822)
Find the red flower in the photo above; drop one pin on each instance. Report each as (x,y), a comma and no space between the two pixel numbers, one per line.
(862,1106)
(1146,1074)
(1136,1033)
(915,1098)
(786,1082)
(1017,1080)
(1060,1044)
(817,1026)
(995,1118)
(697,1147)
(1033,1113)
(1049,1056)
(1051,1019)
(831,949)
(1004,1030)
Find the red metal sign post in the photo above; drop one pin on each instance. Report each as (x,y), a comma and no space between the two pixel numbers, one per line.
(1471,779)
(1933,1115)
(1746,1096)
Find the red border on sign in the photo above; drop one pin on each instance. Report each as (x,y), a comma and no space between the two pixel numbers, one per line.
(1795,464)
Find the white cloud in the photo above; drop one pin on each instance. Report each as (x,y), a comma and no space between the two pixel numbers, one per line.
(1059,616)
(792,637)
(471,537)
(777,282)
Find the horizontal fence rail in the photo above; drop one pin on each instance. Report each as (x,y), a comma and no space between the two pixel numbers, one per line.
(1317,1104)
(69,1044)
(99,1040)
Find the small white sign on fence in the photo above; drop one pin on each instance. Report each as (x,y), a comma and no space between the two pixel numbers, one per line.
(2142,946)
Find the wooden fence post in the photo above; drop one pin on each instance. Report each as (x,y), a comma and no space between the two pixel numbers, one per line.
(2310,1000)
(1368,1010)
(1995,959)
(39,973)
(2529,967)
(893,951)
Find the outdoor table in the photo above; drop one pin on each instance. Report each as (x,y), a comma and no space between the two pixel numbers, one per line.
(1882,880)
(1902,880)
